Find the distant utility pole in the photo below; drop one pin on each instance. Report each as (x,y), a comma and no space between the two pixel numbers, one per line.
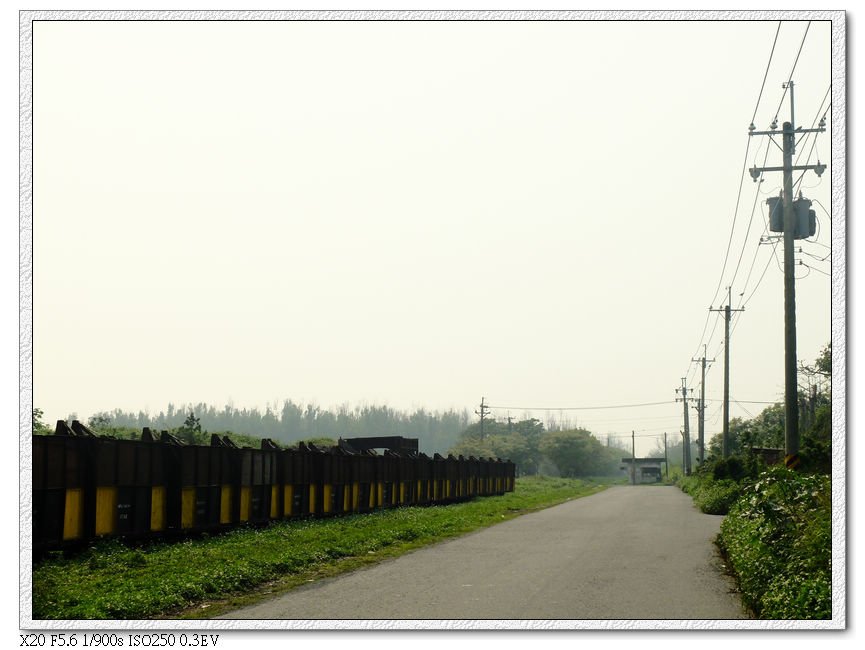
(790,221)
(633,460)
(725,445)
(666,462)
(483,413)
(701,410)
(686,452)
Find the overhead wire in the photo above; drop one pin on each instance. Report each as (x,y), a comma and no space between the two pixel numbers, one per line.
(795,63)
(741,182)
(748,231)
(578,408)
(775,246)
(762,275)
(813,268)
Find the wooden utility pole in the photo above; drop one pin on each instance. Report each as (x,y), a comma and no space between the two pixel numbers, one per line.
(725,444)
(791,387)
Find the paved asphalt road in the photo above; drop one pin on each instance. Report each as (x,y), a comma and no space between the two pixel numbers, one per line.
(629,552)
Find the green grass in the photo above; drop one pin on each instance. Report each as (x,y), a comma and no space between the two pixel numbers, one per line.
(208,575)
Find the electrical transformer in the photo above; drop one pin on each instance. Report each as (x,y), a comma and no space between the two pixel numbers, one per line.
(806,218)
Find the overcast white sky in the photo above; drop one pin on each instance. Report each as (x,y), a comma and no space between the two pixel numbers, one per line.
(416,213)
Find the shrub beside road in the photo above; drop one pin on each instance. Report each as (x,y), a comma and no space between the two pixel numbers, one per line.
(777,535)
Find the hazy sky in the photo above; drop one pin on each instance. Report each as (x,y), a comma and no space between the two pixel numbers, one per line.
(418,214)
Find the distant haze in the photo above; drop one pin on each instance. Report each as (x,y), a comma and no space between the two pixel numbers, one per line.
(418,214)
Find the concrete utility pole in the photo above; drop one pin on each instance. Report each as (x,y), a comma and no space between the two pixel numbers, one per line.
(725,445)
(686,452)
(701,410)
(633,460)
(699,407)
(483,413)
(666,462)
(791,401)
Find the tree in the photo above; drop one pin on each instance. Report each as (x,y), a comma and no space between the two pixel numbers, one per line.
(39,427)
(823,364)
(514,441)
(190,432)
(577,452)
(99,421)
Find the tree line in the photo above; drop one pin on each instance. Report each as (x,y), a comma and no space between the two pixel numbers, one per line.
(290,423)
(536,450)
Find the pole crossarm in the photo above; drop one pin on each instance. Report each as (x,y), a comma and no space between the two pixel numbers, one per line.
(820,130)
(818,169)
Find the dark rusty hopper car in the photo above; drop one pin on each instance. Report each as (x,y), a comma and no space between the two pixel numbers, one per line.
(87,486)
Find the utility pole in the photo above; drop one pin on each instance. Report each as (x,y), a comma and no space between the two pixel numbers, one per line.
(483,413)
(725,445)
(791,405)
(686,452)
(633,460)
(699,407)
(701,410)
(666,462)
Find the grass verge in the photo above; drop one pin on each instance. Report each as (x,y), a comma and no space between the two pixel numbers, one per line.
(206,576)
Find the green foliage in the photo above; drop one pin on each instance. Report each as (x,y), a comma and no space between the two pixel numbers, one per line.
(321,443)
(816,448)
(767,429)
(39,427)
(190,432)
(778,541)
(514,441)
(571,453)
(734,468)
(714,497)
(578,453)
(111,580)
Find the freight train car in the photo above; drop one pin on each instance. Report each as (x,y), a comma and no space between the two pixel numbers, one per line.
(87,486)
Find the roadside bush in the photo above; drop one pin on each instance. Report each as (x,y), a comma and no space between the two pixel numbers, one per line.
(777,538)
(716,497)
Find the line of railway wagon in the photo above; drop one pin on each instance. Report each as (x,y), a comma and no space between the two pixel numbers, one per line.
(87,486)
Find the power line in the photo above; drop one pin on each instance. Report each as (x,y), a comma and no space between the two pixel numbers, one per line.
(766,74)
(827,214)
(742,401)
(813,268)
(814,121)
(748,231)
(741,182)
(762,275)
(781,103)
(814,141)
(816,257)
(577,408)
(628,435)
